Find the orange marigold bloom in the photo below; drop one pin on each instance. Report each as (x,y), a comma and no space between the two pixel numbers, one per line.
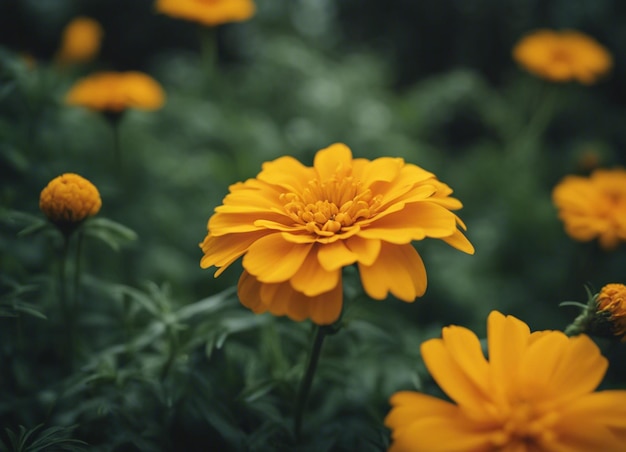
(535,393)
(594,206)
(612,301)
(117,91)
(81,41)
(563,56)
(297,226)
(208,12)
(69,199)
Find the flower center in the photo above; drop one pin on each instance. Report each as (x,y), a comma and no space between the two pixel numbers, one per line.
(525,425)
(330,207)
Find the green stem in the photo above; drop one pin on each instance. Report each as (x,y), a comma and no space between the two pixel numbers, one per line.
(208,49)
(66,309)
(307,380)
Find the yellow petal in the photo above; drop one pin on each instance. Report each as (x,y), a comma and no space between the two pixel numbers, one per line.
(465,349)
(508,339)
(286,172)
(409,406)
(384,169)
(335,255)
(249,292)
(415,222)
(399,269)
(336,158)
(312,279)
(272,259)
(366,250)
(223,251)
(452,378)
(281,299)
(459,241)
(442,434)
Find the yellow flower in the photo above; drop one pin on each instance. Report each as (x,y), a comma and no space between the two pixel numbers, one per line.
(612,301)
(297,226)
(594,206)
(69,199)
(208,12)
(535,393)
(117,91)
(563,56)
(81,41)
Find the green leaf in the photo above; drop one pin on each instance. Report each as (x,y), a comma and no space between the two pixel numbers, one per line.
(110,232)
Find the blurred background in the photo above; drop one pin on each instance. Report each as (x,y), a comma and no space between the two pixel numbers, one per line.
(433,82)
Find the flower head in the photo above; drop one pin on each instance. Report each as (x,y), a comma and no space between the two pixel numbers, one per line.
(297,226)
(563,56)
(594,207)
(69,199)
(612,301)
(534,393)
(208,12)
(115,92)
(81,41)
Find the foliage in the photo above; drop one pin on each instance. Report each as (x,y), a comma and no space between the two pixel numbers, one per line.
(116,340)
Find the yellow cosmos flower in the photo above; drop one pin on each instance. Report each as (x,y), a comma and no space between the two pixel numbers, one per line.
(563,56)
(594,207)
(69,199)
(81,41)
(535,393)
(208,12)
(612,301)
(115,92)
(297,226)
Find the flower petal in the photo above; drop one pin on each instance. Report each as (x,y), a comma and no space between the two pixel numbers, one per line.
(456,380)
(272,259)
(281,299)
(507,339)
(333,256)
(224,250)
(415,222)
(312,279)
(366,250)
(399,269)
(336,158)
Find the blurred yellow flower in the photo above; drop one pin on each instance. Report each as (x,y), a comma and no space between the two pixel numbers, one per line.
(594,206)
(81,41)
(612,301)
(69,199)
(117,91)
(563,56)
(297,226)
(208,12)
(535,393)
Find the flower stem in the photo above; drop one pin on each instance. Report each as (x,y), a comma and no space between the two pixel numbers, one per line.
(66,309)
(307,380)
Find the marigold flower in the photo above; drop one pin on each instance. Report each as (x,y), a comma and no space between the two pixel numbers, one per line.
(81,41)
(297,226)
(534,393)
(208,12)
(563,56)
(115,92)
(68,200)
(612,301)
(594,206)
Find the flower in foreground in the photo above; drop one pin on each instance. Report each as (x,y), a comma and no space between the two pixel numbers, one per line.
(611,301)
(114,92)
(594,207)
(69,199)
(297,226)
(535,393)
(80,41)
(562,56)
(208,12)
